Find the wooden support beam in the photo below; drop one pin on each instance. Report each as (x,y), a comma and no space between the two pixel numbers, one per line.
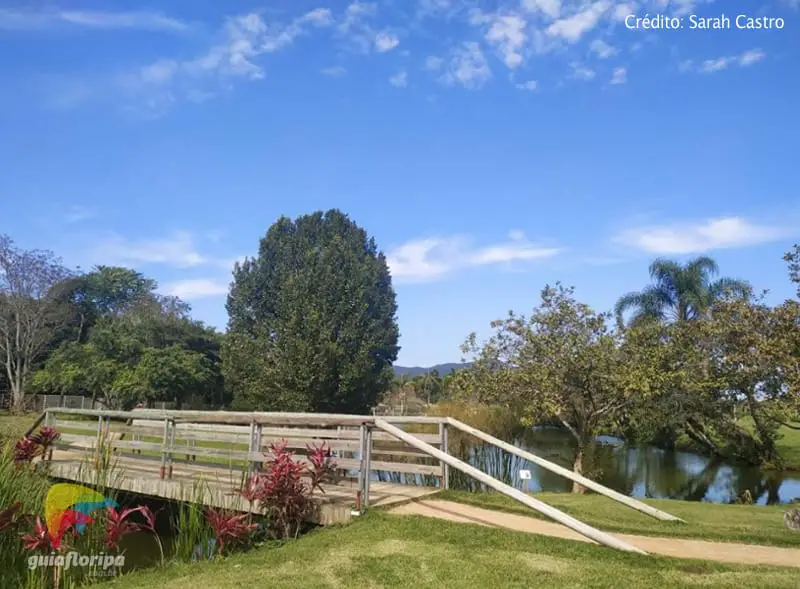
(535,504)
(566,473)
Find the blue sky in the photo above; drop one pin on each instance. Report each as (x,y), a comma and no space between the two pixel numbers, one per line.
(490,147)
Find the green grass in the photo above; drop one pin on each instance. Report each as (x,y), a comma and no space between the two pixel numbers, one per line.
(789,448)
(761,524)
(380,550)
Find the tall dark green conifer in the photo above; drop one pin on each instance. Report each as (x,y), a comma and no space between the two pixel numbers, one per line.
(312,322)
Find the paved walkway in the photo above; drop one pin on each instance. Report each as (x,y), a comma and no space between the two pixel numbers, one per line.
(676,547)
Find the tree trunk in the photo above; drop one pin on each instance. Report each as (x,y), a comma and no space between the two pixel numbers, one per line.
(577,467)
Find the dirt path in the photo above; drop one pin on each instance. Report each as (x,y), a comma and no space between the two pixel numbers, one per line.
(676,547)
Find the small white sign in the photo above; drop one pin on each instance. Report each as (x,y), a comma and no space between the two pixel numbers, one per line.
(525,475)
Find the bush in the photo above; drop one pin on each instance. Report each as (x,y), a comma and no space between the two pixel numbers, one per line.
(283,491)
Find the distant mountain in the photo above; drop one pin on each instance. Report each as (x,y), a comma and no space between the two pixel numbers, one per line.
(442,369)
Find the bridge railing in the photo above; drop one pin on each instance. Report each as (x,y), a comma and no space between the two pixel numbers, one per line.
(240,441)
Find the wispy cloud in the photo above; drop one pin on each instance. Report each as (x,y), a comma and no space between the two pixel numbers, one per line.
(530,85)
(602,49)
(467,67)
(426,260)
(620,76)
(40,20)
(77,213)
(572,28)
(506,33)
(195,289)
(178,250)
(336,71)
(399,80)
(710,66)
(386,42)
(699,237)
(581,72)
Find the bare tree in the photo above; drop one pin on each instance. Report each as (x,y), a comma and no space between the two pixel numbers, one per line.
(30,316)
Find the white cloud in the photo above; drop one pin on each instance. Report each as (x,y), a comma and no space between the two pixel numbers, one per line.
(26,20)
(574,27)
(530,85)
(386,42)
(581,72)
(425,260)
(354,25)
(620,76)
(76,214)
(622,11)
(467,67)
(433,63)
(602,49)
(321,17)
(178,250)
(195,289)
(399,80)
(710,66)
(752,56)
(689,238)
(551,8)
(507,34)
(336,71)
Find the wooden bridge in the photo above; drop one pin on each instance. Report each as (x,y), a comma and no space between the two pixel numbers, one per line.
(205,457)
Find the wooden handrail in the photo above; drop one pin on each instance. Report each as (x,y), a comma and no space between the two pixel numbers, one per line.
(246,418)
(551,512)
(566,473)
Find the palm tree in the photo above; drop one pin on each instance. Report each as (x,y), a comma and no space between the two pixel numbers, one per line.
(679,291)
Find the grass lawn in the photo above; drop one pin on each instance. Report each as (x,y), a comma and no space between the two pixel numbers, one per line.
(380,550)
(789,448)
(762,524)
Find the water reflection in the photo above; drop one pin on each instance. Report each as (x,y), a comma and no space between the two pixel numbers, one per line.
(640,472)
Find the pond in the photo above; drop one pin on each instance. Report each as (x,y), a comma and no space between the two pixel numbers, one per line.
(644,471)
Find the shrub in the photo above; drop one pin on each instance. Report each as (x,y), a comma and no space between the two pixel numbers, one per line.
(284,489)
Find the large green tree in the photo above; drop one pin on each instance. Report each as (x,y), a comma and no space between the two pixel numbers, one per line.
(562,364)
(132,344)
(679,291)
(312,322)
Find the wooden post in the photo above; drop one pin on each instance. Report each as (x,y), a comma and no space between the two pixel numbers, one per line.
(368,465)
(98,448)
(165,440)
(362,456)
(535,504)
(259,465)
(444,446)
(567,474)
(250,449)
(172,429)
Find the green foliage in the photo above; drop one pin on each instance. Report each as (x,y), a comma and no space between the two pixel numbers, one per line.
(133,345)
(563,364)
(679,292)
(311,319)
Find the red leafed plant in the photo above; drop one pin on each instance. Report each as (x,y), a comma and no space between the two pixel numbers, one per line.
(118,525)
(45,438)
(282,490)
(31,446)
(41,539)
(228,527)
(25,451)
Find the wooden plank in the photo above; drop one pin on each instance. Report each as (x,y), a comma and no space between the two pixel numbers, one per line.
(567,474)
(245,418)
(535,504)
